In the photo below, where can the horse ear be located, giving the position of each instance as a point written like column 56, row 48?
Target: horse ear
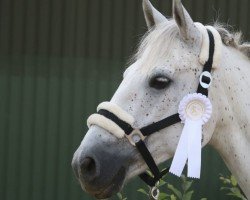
column 184, row 21
column 152, row 16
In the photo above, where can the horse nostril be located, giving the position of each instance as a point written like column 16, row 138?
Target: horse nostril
column 88, row 168
column 88, row 164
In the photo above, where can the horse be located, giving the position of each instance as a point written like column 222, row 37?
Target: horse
column 165, row 68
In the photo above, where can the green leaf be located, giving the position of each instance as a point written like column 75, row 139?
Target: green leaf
column 186, row 185
column 162, row 183
column 225, row 180
column 188, row 196
column 163, row 196
column 233, row 181
column 234, row 195
column 175, row 191
column 203, row 198
column 183, row 178
column 231, row 194
column 164, row 174
column 119, row 195
column 225, row 188
column 142, row 191
column 236, row 192
column 150, row 173
column 172, row 197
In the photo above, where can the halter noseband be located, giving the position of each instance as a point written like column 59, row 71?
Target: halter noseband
column 119, row 122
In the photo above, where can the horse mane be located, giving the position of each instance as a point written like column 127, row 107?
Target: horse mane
column 232, row 38
column 165, row 33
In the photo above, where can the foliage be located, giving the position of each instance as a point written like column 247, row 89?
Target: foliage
column 120, row 196
column 231, row 186
column 185, row 191
column 173, row 193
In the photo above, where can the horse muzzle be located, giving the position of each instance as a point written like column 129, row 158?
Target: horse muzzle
column 100, row 166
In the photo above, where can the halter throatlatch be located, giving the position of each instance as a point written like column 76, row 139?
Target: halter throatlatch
column 118, row 122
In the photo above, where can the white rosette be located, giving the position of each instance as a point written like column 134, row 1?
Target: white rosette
column 194, row 110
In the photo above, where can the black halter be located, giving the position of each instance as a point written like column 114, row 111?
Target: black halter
column 137, row 136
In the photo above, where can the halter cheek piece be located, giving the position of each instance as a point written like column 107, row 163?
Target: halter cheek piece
column 119, row 122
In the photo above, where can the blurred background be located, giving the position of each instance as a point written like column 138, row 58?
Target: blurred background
column 58, row 60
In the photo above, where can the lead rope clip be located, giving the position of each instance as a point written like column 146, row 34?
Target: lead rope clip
column 154, row 192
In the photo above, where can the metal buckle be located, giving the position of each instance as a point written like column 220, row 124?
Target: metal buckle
column 135, row 136
column 208, row 75
column 154, row 192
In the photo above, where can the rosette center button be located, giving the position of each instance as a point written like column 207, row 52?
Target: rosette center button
column 195, row 109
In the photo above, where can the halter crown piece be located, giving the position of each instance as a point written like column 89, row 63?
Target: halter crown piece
column 194, row 111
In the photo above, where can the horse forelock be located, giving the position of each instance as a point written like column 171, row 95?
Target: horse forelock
column 163, row 36
column 156, row 43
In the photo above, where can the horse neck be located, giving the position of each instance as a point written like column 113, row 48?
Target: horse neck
column 232, row 134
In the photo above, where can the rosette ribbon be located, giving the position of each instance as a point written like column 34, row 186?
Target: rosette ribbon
column 194, row 110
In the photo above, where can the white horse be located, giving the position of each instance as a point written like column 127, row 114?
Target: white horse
column 165, row 69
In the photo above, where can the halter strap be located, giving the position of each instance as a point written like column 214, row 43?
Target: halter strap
column 157, row 126
column 122, row 124
column 138, row 136
column 208, row 65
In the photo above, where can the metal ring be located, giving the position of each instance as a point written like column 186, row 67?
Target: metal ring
column 208, row 75
column 154, row 193
column 135, row 136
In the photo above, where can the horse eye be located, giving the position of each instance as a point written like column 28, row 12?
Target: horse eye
column 159, row 82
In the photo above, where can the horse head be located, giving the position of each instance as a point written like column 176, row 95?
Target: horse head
column 166, row 67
